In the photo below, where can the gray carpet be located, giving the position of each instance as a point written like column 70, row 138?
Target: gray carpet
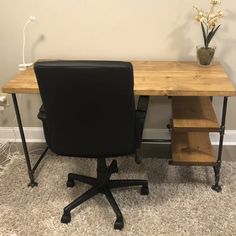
column 180, row 202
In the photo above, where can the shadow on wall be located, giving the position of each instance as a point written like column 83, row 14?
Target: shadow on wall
column 224, row 54
column 227, row 50
column 34, row 46
column 181, row 44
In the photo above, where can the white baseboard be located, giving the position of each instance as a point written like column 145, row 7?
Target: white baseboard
column 12, row 134
column 35, row 135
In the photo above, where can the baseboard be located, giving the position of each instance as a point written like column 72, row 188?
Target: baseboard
column 35, row 135
column 12, row 134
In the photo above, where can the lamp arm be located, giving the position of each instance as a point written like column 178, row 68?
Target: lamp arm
column 24, row 65
column 23, row 46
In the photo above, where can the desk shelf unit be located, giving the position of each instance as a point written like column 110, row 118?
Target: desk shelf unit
column 193, row 119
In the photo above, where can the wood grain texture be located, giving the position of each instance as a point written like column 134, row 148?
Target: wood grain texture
column 194, row 114
column 24, row 82
column 173, row 78
column 155, row 78
column 192, row 148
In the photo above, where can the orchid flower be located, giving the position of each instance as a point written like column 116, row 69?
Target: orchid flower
column 209, row 21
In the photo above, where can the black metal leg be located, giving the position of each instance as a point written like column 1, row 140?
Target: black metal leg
column 30, row 171
column 217, row 167
column 217, row 187
column 27, row 158
column 40, row 159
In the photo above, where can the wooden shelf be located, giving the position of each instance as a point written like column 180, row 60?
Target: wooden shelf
column 194, row 114
column 192, row 148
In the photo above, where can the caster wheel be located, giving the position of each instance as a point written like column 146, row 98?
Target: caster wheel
column 144, row 190
column 70, row 183
column 66, row 218
column 115, row 167
column 32, row 184
column 217, row 188
column 119, row 224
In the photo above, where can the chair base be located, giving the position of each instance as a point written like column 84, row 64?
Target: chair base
column 102, row 184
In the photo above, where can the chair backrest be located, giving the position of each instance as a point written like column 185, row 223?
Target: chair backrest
column 89, row 106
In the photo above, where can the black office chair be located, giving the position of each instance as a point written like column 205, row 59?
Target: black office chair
column 89, row 111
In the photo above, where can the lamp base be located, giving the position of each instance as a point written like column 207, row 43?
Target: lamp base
column 25, row 66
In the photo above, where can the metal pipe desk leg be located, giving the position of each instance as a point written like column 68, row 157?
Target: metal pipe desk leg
column 217, row 167
column 30, row 171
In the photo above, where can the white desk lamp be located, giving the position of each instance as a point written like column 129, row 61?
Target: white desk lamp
column 24, row 65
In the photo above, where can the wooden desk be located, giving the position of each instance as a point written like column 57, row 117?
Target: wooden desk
column 155, row 78
column 192, row 118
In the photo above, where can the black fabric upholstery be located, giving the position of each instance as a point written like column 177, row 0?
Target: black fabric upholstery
column 89, row 111
column 89, row 107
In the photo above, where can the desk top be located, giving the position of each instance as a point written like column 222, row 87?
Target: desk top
column 154, row 78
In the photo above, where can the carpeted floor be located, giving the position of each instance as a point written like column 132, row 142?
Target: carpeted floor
column 180, row 202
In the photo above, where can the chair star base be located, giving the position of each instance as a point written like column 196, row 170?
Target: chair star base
column 102, row 184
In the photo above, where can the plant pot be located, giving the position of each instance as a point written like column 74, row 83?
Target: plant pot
column 205, row 56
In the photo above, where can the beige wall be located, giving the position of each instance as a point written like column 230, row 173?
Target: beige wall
column 112, row 30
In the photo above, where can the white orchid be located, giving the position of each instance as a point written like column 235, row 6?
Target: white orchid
column 209, row 20
column 215, row 2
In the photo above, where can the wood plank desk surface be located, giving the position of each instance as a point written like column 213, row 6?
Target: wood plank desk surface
column 154, row 78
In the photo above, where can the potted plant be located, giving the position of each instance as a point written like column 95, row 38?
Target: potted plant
column 208, row 20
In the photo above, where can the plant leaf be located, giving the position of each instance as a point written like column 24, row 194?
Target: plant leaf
column 209, row 36
column 204, row 35
column 213, row 33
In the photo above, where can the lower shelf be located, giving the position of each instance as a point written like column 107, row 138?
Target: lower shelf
column 192, row 148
